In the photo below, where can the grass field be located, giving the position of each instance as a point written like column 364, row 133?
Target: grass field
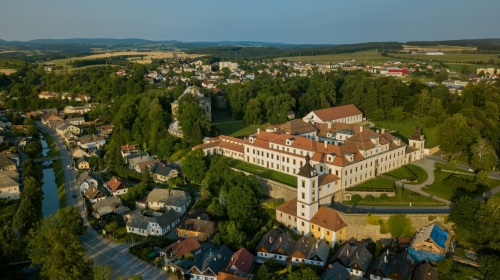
column 406, row 128
column 451, row 57
column 370, row 56
column 452, row 191
column 141, row 57
column 442, row 48
column 264, row 172
column 7, row 71
column 239, row 128
column 410, row 172
column 375, row 184
column 445, row 167
column 402, row 198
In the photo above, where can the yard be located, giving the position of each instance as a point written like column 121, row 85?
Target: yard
column 376, row 183
column 451, row 186
column 408, row 172
column 406, row 128
column 402, row 198
column 264, row 172
column 8, row 208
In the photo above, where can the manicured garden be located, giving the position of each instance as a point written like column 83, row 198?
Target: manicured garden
column 376, row 183
column 402, row 198
column 451, row 186
column 406, row 128
column 264, row 172
column 411, row 172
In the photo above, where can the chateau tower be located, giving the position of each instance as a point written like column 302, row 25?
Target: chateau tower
column 417, row 142
column 307, row 196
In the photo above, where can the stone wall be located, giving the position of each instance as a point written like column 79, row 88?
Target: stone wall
column 431, row 151
column 274, row 189
column 366, row 193
column 358, row 228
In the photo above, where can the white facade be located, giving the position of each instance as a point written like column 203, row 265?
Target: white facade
column 307, row 201
column 12, row 192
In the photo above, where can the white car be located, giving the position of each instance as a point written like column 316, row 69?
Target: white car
column 471, row 170
column 69, row 166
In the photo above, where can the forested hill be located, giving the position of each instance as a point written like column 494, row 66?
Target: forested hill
column 229, row 52
column 459, row 43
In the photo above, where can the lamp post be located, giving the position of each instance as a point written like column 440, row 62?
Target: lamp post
column 410, row 199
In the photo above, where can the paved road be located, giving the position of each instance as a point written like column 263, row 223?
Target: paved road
column 103, row 251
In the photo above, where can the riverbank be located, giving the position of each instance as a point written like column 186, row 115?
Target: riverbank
column 58, row 168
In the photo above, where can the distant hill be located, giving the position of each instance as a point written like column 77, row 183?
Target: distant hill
column 459, row 43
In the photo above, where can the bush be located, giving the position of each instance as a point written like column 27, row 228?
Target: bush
column 400, row 225
column 432, row 218
column 383, row 196
column 356, row 198
column 369, row 197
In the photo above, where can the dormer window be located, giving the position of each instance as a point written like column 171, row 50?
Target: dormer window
column 252, row 139
column 289, row 141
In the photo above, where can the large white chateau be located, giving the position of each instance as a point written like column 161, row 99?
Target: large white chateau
column 326, row 157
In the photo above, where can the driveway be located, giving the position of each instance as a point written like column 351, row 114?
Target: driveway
column 101, row 250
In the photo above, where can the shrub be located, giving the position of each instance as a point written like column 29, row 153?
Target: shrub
column 383, row 196
column 369, row 197
column 356, row 198
column 400, row 225
column 432, row 218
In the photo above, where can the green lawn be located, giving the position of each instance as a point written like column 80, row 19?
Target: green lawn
column 264, row 172
column 445, row 167
column 8, row 208
column 406, row 128
column 239, row 129
column 377, row 183
column 409, row 172
column 448, row 185
column 402, row 198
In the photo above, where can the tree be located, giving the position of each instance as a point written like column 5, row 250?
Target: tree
column 231, row 235
column 303, row 273
column 482, row 153
column 215, row 209
column 30, row 210
column 194, row 166
column 241, row 205
column 263, row 273
column 8, row 243
column 379, row 115
column 101, row 272
column 482, row 178
column 400, row 225
column 488, row 266
column 57, row 249
column 452, row 164
column 32, row 148
column 192, row 117
column 423, row 102
column 253, row 112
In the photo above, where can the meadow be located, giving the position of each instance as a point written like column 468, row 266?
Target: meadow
column 366, row 56
column 443, row 48
column 7, row 71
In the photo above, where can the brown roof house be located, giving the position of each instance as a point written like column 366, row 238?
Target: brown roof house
column 310, row 250
column 346, row 114
column 180, row 248
column 93, row 194
column 199, row 229
column 425, row 271
column 116, row 186
column 108, row 207
column 239, row 266
column 9, row 189
column 129, row 149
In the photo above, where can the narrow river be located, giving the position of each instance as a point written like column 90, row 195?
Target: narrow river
column 50, row 203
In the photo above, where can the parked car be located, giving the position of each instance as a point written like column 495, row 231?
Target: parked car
column 74, row 195
column 471, row 170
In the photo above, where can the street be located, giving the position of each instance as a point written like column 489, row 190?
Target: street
column 102, row 251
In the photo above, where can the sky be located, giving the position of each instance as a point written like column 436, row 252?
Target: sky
column 292, row 21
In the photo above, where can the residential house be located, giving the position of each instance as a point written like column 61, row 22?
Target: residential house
column 310, row 250
column 241, row 260
column 77, row 110
column 201, row 230
column 83, row 163
column 343, row 254
column 78, row 153
column 180, row 248
column 200, row 214
column 106, row 129
column 425, row 271
column 129, row 149
column 210, row 263
column 168, row 199
column 335, row 271
column 228, row 274
column 76, row 121
column 93, row 194
column 86, row 180
column 162, row 173
column 82, row 97
column 401, row 266
column 134, row 159
column 50, row 117
column 7, row 163
column 141, row 166
column 69, row 137
column 9, row 189
column 327, row 224
column 108, row 206
column 14, row 157
column 91, row 142
column 275, row 245
column 429, row 244
column 116, row 186
column 360, row 261
column 380, row 266
column 153, row 223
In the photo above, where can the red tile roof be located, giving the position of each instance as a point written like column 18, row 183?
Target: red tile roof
column 188, row 245
column 329, row 219
column 114, row 184
column 339, row 112
column 241, row 260
column 289, row 207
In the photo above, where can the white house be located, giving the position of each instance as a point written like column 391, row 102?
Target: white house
column 168, row 199
column 86, row 180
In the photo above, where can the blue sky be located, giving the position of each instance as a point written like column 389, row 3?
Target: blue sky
column 331, row 22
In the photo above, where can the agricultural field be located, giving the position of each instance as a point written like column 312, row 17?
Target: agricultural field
column 139, row 57
column 366, row 56
column 442, row 48
column 451, row 57
column 7, row 71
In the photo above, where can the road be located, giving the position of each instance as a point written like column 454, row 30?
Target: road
column 103, row 251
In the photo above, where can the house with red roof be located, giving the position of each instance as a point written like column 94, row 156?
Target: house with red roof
column 116, row 186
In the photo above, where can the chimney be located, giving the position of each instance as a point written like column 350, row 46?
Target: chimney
column 258, row 130
column 361, row 128
column 329, row 125
column 377, row 131
column 316, row 138
column 326, row 143
column 270, row 239
column 382, row 131
column 385, row 259
column 281, row 239
column 316, row 245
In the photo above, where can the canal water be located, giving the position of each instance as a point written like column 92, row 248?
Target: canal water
column 50, row 203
